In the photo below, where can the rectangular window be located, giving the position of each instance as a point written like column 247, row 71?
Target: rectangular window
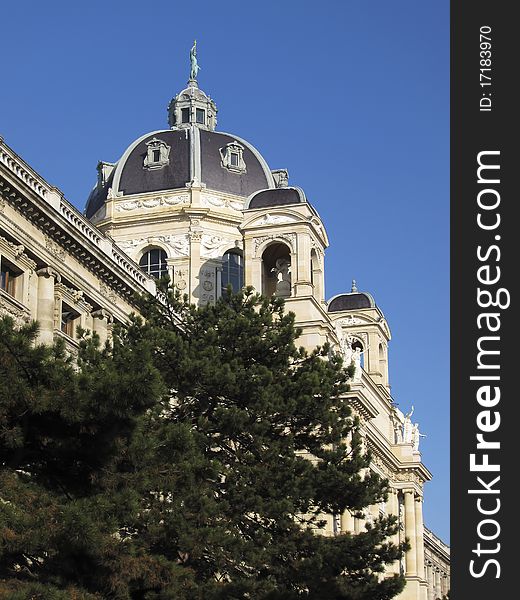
column 9, row 277
column 68, row 320
column 201, row 116
column 185, row 114
column 156, row 155
column 234, row 159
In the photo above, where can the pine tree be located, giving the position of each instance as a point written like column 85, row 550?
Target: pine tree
column 273, row 448
column 191, row 462
column 66, row 499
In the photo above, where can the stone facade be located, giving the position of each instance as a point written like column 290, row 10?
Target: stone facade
column 205, row 208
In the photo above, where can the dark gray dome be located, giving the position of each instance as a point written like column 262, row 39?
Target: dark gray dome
column 351, row 301
column 276, row 197
column 193, row 155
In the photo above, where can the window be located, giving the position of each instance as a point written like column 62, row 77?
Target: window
column 233, row 157
column 153, row 262
column 157, row 155
column 232, row 271
column 185, row 115
column 9, row 277
column 68, row 320
column 276, row 270
column 201, row 116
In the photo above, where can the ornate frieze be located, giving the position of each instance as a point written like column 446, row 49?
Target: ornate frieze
column 212, row 200
column 207, row 284
column 290, row 238
column 269, row 219
column 178, row 244
column 55, row 249
column 213, row 246
column 172, row 200
column 14, row 309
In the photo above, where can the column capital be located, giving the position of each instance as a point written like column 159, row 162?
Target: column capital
column 49, row 272
column 101, row 314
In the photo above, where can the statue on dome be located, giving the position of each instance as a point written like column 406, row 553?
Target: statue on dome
column 193, row 61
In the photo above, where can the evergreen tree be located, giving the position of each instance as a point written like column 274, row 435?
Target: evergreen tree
column 188, row 463
column 66, row 493
column 273, row 449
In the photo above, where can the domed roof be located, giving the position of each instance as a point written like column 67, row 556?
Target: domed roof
column 190, row 153
column 351, row 301
column 193, row 155
column 276, row 197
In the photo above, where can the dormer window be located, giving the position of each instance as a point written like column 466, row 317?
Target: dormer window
column 233, row 157
column 157, row 155
column 201, row 116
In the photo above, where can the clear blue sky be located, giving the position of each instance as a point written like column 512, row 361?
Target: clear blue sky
column 352, row 97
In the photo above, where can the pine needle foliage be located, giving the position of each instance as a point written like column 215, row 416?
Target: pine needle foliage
column 195, row 457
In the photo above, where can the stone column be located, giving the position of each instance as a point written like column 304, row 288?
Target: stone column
column 45, row 310
column 437, row 588
column 393, row 509
column 410, row 532
column 419, row 528
column 218, row 290
column 195, row 238
column 427, row 570
column 100, row 319
column 347, row 522
column 301, row 266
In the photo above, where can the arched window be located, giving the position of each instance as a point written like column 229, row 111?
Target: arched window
column 276, row 265
column 153, row 262
column 232, row 270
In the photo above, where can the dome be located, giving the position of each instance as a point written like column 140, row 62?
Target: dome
column 276, row 197
column 353, row 300
column 221, row 161
column 190, row 153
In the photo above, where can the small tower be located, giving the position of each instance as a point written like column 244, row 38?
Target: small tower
column 363, row 333
column 284, row 243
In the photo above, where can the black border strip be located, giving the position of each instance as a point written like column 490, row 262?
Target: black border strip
column 484, row 122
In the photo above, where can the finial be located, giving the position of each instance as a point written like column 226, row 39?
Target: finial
column 193, row 62
column 354, row 288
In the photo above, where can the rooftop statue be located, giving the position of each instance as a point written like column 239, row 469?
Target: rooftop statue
column 193, row 61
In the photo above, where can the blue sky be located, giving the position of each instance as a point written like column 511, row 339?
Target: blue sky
column 352, row 97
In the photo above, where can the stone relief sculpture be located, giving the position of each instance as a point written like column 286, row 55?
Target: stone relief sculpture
column 193, row 61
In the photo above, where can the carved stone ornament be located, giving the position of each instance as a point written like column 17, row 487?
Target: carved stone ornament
column 290, row 238
column 350, row 320
column 179, row 244
column 107, row 291
column 157, row 155
column 172, row 200
column 269, row 219
column 232, row 156
column 212, row 200
column 54, row 248
column 11, row 308
column 213, row 246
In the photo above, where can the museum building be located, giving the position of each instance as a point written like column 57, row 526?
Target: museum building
column 204, row 207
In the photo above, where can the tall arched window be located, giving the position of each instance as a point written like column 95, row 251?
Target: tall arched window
column 153, row 262
column 276, row 266
column 232, row 270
